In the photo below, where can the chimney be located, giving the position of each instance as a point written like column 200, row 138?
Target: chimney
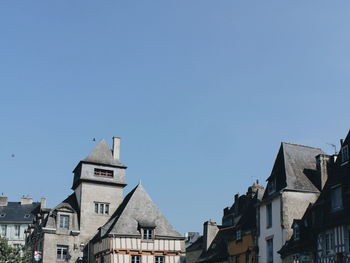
column 3, row 200
column 116, row 147
column 236, row 204
column 26, row 200
column 42, row 202
column 210, row 229
column 322, row 164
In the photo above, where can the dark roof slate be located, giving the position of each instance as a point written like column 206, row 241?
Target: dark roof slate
column 16, row 213
column 298, row 158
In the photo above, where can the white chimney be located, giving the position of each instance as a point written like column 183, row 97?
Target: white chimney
column 26, row 200
column 43, row 202
column 3, row 200
column 116, row 147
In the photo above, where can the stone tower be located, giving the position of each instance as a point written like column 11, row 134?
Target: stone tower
column 98, row 185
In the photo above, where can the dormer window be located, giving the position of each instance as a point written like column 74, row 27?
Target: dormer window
column 147, row 233
column 344, row 154
column 272, row 186
column 336, row 198
column 103, row 172
column 64, row 222
column 296, row 232
column 26, row 215
column 2, row 215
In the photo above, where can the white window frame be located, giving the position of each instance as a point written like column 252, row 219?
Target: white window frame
column 17, row 231
column 64, row 221
column 3, row 231
column 135, row 259
column 147, row 233
column 159, row 259
column 60, row 252
column 101, row 208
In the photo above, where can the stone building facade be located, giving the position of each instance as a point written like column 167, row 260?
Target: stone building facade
column 294, row 183
column 64, row 232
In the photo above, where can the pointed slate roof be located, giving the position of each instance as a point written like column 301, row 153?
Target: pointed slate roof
column 292, row 168
column 138, row 210
column 298, row 159
column 102, row 154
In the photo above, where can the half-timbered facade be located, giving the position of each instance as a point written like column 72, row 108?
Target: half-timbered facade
column 138, row 233
column 331, row 212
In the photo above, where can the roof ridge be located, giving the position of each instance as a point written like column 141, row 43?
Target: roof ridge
column 301, row 145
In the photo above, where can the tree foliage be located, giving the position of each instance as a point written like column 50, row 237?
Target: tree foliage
column 9, row 254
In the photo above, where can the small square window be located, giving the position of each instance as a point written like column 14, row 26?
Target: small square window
column 101, row 208
column 147, row 234
column 159, row 259
column 62, row 253
column 135, row 259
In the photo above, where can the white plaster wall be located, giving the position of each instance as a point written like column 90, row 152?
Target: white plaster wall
column 275, row 231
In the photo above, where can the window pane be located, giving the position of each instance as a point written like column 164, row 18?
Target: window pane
column 268, row 215
column 107, row 209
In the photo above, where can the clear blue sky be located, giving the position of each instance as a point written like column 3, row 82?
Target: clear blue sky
column 201, row 92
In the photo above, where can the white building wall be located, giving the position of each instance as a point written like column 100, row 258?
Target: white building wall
column 275, row 231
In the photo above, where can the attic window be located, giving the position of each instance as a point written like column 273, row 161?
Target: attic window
column 296, row 232
column 103, row 172
column 345, row 154
column 147, row 233
column 272, row 186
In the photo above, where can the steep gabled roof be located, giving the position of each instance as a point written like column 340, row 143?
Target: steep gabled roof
column 138, row 210
column 102, row 154
column 292, row 165
column 297, row 159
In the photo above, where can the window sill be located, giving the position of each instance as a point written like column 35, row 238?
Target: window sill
column 147, row 240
